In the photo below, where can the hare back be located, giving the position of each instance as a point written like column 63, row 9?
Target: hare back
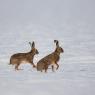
column 20, row 57
column 50, row 59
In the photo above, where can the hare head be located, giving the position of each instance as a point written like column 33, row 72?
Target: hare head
column 58, row 48
column 33, row 49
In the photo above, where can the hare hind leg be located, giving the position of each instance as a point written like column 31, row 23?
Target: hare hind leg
column 52, row 68
column 16, row 66
column 46, row 67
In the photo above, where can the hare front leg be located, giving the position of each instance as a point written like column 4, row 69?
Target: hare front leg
column 32, row 64
column 57, row 65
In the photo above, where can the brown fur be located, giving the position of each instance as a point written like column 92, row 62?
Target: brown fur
column 28, row 57
column 50, row 59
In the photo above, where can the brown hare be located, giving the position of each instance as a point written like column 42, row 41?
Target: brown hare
column 50, row 59
column 18, row 58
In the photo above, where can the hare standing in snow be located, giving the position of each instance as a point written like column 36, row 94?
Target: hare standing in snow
column 50, row 59
column 28, row 57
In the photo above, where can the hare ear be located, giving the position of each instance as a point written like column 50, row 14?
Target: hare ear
column 33, row 44
column 57, row 43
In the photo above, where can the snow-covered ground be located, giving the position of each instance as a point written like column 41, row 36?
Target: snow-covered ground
column 71, row 22
column 70, row 79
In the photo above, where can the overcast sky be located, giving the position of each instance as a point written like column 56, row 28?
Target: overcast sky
column 46, row 11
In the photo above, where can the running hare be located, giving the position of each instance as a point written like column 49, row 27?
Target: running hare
column 50, row 59
column 28, row 57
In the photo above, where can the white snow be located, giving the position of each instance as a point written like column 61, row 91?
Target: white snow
column 72, row 22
